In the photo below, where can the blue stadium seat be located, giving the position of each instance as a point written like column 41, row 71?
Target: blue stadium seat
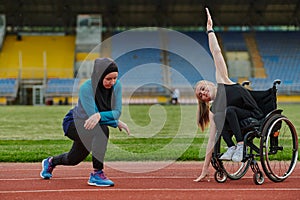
column 61, row 87
column 8, row 87
column 140, row 67
column 233, row 41
column 182, row 72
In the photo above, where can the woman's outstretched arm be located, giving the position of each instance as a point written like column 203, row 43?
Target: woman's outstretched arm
column 221, row 68
column 209, row 149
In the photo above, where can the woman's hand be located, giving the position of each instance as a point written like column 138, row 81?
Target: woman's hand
column 209, row 25
column 92, row 121
column 122, row 125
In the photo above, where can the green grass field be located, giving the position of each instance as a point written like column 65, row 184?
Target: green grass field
column 31, row 133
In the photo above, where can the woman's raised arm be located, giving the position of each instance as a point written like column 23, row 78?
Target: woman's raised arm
column 221, row 68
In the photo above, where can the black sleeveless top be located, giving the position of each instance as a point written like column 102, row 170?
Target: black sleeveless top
column 235, row 95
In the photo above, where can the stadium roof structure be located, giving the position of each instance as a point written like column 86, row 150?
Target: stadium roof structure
column 162, row 13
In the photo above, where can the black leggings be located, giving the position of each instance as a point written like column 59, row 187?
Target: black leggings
column 231, row 126
column 84, row 142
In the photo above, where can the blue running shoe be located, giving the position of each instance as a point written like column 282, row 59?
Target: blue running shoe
column 99, row 179
column 47, row 168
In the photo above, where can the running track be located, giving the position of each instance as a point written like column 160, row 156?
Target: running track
column 22, row 181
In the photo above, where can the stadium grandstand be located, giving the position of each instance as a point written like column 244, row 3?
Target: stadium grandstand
column 47, row 47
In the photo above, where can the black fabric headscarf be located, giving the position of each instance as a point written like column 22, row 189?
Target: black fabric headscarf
column 103, row 96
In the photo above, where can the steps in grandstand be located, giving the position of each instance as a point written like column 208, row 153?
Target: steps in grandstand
column 258, row 65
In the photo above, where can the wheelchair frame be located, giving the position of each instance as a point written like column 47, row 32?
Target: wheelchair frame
column 266, row 131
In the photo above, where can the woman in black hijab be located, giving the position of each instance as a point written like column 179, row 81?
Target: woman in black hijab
column 99, row 106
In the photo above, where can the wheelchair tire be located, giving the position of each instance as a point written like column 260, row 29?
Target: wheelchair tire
column 233, row 170
column 258, row 178
column 278, row 148
column 220, row 176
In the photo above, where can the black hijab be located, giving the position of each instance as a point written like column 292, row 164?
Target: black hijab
column 103, row 96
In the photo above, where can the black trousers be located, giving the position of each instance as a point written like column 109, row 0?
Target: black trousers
column 228, row 122
column 84, row 142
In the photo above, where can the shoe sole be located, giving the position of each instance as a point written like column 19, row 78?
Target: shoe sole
column 94, row 184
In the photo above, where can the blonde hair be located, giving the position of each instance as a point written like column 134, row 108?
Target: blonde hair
column 203, row 107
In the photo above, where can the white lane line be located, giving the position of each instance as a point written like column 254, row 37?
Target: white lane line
column 150, row 189
column 119, row 177
column 112, row 177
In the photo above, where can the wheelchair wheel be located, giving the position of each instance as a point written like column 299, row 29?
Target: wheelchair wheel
column 278, row 148
column 220, row 176
column 233, row 170
column 258, row 178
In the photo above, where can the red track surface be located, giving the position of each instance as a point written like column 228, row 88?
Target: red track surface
column 22, row 181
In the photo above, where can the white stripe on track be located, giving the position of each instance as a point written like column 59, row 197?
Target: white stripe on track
column 150, row 189
column 122, row 177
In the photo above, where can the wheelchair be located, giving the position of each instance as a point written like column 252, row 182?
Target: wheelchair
column 272, row 140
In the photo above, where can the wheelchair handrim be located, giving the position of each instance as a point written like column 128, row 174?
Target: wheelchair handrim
column 295, row 151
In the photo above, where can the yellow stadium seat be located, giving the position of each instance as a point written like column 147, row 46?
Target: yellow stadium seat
column 34, row 57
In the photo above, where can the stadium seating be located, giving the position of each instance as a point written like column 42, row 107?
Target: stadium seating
column 200, row 37
column 8, row 88
column 233, row 41
column 62, row 87
column 183, row 73
column 281, row 58
column 149, row 67
column 31, row 55
column 140, row 67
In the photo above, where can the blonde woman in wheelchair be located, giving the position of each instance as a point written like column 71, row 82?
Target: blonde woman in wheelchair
column 231, row 103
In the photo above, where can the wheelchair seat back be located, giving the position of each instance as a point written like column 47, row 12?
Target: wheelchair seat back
column 266, row 101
